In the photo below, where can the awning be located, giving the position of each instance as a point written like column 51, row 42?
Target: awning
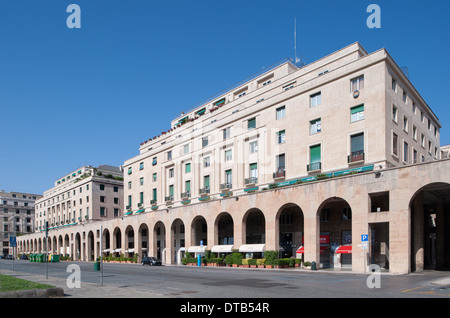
column 301, row 249
column 344, row 249
column 249, row 248
column 118, row 250
column 222, row 249
column 139, row 211
column 130, row 250
column 196, row 249
column 128, row 213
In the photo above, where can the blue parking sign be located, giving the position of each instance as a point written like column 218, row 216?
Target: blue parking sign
column 364, row 237
column 12, row 241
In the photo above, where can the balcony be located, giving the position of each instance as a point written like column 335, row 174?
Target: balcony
column 356, row 157
column 204, row 191
column 186, row 195
column 279, row 174
column 226, row 186
column 314, row 166
column 168, row 199
column 153, row 202
column 251, row 181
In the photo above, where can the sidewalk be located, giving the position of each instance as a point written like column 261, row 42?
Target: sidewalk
column 87, row 290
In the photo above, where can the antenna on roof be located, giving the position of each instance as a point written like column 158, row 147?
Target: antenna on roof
column 297, row 61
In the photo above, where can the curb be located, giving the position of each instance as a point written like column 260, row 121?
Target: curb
column 34, row 293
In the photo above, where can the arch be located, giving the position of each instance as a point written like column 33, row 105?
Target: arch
column 199, row 231
column 77, row 246
column 117, row 248
column 178, row 241
column 224, row 229
column 90, row 246
column 106, row 242
column 254, row 227
column 159, row 241
column 429, row 209
column 289, row 227
column 142, row 244
column 129, row 241
column 335, row 230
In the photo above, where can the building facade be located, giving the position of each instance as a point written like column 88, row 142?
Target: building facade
column 16, row 216
column 300, row 160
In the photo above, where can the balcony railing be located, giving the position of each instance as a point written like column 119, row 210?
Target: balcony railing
column 186, row 194
column 153, row 202
column 314, row 166
column 356, row 156
column 205, row 190
column 169, row 198
column 251, row 180
column 225, row 186
column 280, row 173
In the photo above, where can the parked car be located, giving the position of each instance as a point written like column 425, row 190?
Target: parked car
column 152, row 261
column 23, row 257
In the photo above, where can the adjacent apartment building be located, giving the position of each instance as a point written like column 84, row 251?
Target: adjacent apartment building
column 16, row 216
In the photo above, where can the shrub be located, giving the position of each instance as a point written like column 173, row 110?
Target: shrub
column 236, row 258
column 229, row 259
column 261, row 261
column 306, row 263
column 252, row 261
column 245, row 261
column 270, row 257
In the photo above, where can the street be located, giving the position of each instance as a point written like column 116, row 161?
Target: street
column 223, row 282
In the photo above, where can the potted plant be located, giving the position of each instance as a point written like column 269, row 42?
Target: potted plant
column 252, row 263
column 260, row 263
column 307, row 265
column 298, row 262
column 270, row 257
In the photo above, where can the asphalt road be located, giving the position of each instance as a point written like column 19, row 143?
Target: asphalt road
column 233, row 283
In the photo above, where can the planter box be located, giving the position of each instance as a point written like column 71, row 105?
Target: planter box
column 244, row 266
column 268, row 266
column 261, row 266
column 235, row 265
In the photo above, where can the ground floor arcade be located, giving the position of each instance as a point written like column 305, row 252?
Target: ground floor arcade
column 405, row 213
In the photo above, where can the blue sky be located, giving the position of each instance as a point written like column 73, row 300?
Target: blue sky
column 70, row 97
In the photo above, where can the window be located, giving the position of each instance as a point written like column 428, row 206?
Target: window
column 314, row 158
column 394, row 144
column 254, row 170
column 171, row 190
column 356, row 113
column 169, row 155
column 394, row 113
column 187, row 168
column 130, row 170
column 251, row 123
column 154, row 192
column 280, row 163
column 414, row 132
column 228, row 178
column 281, row 112
column 206, row 182
column 394, row 85
column 154, row 177
column 141, row 181
column 356, row 147
column 187, row 186
column 141, row 166
column 357, row 84
column 206, row 162
column 204, row 141
column 171, row 173
column 186, row 148
column 102, row 211
column 281, row 137
column 116, row 212
column 226, row 133
column 116, row 189
column 154, row 161
column 141, row 197
column 228, row 155
column 405, row 123
column 315, row 126
column 405, row 97
column 405, row 151
column 102, row 187
column 422, row 140
column 129, row 186
column 315, row 100
column 254, row 146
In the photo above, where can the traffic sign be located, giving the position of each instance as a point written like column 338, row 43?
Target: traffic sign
column 364, row 237
column 12, row 241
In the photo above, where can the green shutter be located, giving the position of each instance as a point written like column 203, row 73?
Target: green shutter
column 154, row 194
column 357, row 109
column 315, row 154
column 253, row 166
column 206, row 181
column 188, row 186
column 171, row 190
column 188, row 167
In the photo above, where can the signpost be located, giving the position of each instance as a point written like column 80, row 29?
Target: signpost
column 364, row 244
column 13, row 244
